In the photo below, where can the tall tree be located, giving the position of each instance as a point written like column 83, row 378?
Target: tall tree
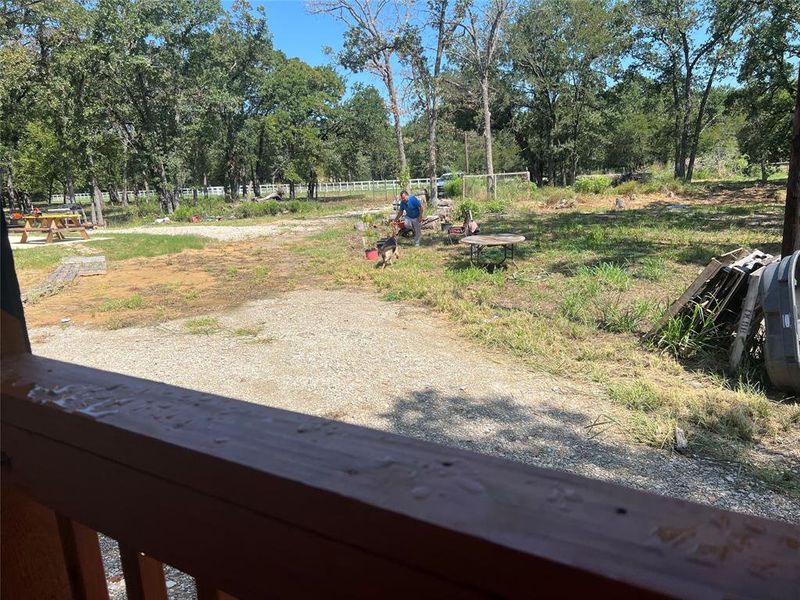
column 237, row 62
column 442, row 17
column 690, row 44
column 376, row 30
column 563, row 53
column 478, row 48
column 767, row 78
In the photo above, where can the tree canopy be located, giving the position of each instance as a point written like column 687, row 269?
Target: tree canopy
column 150, row 97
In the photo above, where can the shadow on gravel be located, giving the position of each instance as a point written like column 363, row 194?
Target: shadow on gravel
column 551, row 437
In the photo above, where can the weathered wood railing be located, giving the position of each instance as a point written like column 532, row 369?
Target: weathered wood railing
column 261, row 502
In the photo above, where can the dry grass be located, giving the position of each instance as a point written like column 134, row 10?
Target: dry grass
column 576, row 302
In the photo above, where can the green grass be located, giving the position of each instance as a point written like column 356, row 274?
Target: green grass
column 117, row 248
column 579, row 297
column 247, row 332
column 636, row 395
column 202, row 325
column 131, row 303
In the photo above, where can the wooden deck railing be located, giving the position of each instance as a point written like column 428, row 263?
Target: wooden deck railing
column 261, row 503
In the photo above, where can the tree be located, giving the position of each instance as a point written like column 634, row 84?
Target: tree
column 689, row 44
column 767, row 79
column 147, row 52
column 237, row 62
column 358, row 143
column 563, row 53
column 478, row 47
column 376, row 30
column 443, row 17
column 298, row 102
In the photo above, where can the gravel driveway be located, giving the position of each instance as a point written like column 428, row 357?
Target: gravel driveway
column 349, row 356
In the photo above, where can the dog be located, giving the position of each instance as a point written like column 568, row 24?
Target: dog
column 388, row 249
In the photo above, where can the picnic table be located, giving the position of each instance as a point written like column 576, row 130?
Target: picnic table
column 54, row 225
column 477, row 244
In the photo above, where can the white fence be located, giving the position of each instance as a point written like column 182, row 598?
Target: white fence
column 388, row 186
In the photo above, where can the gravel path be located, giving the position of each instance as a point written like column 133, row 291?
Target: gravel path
column 349, row 356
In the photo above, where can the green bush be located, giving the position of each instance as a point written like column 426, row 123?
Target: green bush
column 592, row 185
column 453, row 188
column 295, row 206
column 495, row 206
column 629, row 187
column 258, row 209
column 184, row 212
column 466, row 206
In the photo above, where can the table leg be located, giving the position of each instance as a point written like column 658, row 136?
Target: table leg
column 25, row 231
column 52, row 231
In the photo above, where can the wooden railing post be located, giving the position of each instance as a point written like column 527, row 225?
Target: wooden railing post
column 31, row 558
column 144, row 576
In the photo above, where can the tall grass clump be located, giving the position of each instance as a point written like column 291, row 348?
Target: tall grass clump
column 592, row 185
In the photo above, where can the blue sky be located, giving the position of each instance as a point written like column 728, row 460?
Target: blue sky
column 302, row 35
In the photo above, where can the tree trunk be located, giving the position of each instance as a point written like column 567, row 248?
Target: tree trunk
column 205, row 184
column 764, row 171
column 10, row 191
column 97, row 196
column 125, row 179
column 432, row 191
column 791, row 216
column 395, row 108
column 165, row 196
column 254, row 181
column 487, row 133
column 194, row 196
column 698, row 123
column 70, row 187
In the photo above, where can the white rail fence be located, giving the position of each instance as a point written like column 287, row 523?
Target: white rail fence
column 325, row 188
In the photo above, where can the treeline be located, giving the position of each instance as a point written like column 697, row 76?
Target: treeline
column 156, row 96
column 565, row 86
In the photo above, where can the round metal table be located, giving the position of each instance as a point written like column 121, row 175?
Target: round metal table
column 477, row 243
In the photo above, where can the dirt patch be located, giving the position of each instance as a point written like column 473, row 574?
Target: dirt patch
column 149, row 290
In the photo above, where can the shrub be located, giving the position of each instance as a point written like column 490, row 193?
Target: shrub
column 629, row 187
column 184, row 212
column 495, row 206
column 465, row 207
column 258, row 209
column 453, row 188
column 592, row 185
column 295, row 206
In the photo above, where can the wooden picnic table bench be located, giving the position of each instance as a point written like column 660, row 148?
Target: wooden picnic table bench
column 54, row 225
column 477, row 243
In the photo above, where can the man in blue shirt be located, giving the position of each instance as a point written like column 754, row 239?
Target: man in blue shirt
column 412, row 207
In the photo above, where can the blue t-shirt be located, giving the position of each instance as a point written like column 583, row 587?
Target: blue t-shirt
column 411, row 206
